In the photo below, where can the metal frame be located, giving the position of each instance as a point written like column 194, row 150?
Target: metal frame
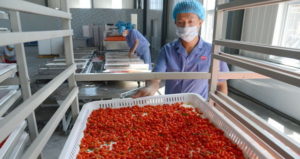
column 237, row 108
column 141, row 76
column 270, row 50
column 257, row 126
column 242, row 4
column 273, row 141
column 30, row 102
column 285, row 76
column 22, row 66
column 27, row 7
column 22, row 37
column 37, row 146
column 164, row 76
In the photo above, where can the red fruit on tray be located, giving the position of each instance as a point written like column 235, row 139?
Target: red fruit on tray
column 3, row 142
column 164, row 131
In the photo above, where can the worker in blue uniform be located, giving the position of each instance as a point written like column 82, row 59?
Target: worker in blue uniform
column 189, row 53
column 136, row 41
column 7, row 54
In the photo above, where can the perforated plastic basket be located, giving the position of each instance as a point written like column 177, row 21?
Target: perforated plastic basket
column 250, row 148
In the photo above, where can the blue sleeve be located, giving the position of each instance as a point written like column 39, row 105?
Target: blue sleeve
column 161, row 64
column 134, row 34
column 223, row 68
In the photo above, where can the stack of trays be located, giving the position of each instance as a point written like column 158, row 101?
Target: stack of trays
column 13, row 147
column 8, row 96
column 57, row 65
column 120, row 62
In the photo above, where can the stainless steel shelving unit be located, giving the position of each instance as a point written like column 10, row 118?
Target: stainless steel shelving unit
column 31, row 101
column 272, row 140
column 9, row 94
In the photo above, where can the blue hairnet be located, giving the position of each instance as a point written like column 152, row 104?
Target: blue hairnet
column 129, row 26
column 120, row 23
column 123, row 26
column 189, row 6
column 121, row 29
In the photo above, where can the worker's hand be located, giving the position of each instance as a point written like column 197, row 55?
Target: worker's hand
column 147, row 91
column 130, row 54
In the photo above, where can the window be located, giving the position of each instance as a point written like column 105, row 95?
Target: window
column 208, row 24
column 156, row 4
column 80, row 4
column 287, row 32
column 116, row 4
column 291, row 31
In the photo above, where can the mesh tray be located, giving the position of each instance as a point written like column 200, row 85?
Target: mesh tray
column 250, row 148
column 6, row 67
column 12, row 140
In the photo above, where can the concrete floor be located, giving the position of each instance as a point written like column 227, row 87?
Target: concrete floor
column 56, row 142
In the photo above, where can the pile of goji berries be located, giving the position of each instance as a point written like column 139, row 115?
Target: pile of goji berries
column 165, row 131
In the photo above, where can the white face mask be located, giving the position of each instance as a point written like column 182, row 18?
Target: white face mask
column 187, row 33
column 124, row 34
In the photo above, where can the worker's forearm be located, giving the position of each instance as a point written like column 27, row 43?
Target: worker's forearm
column 224, row 90
column 222, row 87
column 152, row 87
column 153, row 84
column 136, row 43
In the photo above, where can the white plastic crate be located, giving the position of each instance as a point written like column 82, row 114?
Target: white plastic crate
column 250, row 147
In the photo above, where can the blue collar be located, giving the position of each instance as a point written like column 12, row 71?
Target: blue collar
column 181, row 50
column 129, row 32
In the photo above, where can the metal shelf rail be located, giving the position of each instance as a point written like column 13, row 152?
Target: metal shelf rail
column 273, row 140
column 30, row 102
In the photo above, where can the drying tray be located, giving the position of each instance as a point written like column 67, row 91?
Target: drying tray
column 12, row 141
column 6, row 92
column 7, row 71
column 121, row 58
column 76, row 60
column 8, row 96
column 123, row 62
column 79, row 65
column 20, row 146
column 125, row 70
column 129, row 66
column 250, row 147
